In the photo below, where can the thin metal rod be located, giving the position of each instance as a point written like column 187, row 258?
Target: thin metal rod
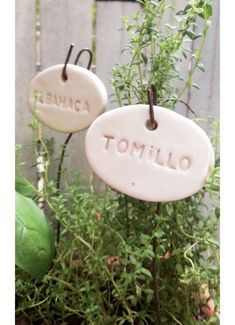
column 61, row 161
column 59, row 177
column 152, row 99
column 90, row 57
column 154, row 92
column 154, row 275
column 64, row 72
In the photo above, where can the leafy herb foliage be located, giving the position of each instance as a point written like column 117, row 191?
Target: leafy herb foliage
column 121, row 260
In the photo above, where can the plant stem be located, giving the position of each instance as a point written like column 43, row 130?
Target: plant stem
column 180, row 101
column 186, row 252
column 195, row 65
column 124, row 303
column 175, row 319
column 33, row 305
column 127, row 217
column 163, row 4
column 61, row 281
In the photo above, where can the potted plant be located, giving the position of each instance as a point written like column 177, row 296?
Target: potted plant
column 125, row 261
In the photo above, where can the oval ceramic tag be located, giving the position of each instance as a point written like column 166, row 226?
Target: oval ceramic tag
column 67, row 106
column 166, row 164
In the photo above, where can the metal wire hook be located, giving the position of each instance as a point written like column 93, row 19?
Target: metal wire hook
column 64, row 72
column 79, row 55
column 152, row 99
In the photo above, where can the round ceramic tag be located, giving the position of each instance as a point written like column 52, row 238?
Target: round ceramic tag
column 70, row 105
column 166, row 164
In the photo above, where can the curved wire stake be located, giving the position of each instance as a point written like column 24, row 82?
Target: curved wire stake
column 58, row 180
column 152, row 99
column 64, row 76
column 64, row 72
column 79, row 55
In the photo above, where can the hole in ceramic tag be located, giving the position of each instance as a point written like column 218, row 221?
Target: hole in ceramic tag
column 64, row 78
column 150, row 126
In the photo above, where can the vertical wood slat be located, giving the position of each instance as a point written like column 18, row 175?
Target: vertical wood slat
column 206, row 100
column 63, row 23
column 110, row 40
column 25, row 71
column 183, row 66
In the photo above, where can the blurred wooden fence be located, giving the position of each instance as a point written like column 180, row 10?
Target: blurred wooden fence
column 62, row 22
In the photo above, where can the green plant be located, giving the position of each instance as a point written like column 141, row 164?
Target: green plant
column 121, row 260
column 34, row 238
column 103, row 269
column 155, row 50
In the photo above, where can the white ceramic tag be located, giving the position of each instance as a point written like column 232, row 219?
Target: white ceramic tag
column 67, row 106
column 166, row 164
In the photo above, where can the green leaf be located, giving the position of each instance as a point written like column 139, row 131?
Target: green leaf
column 144, row 239
column 24, row 187
column 159, row 233
column 183, row 12
column 146, row 272
column 207, row 10
column 198, row 35
column 184, row 54
column 133, row 260
column 154, row 3
column 213, row 241
column 201, row 67
column 180, row 13
column 138, row 291
column 192, row 35
column 149, row 293
column 170, row 26
column 34, row 238
column 144, row 57
column 195, row 86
